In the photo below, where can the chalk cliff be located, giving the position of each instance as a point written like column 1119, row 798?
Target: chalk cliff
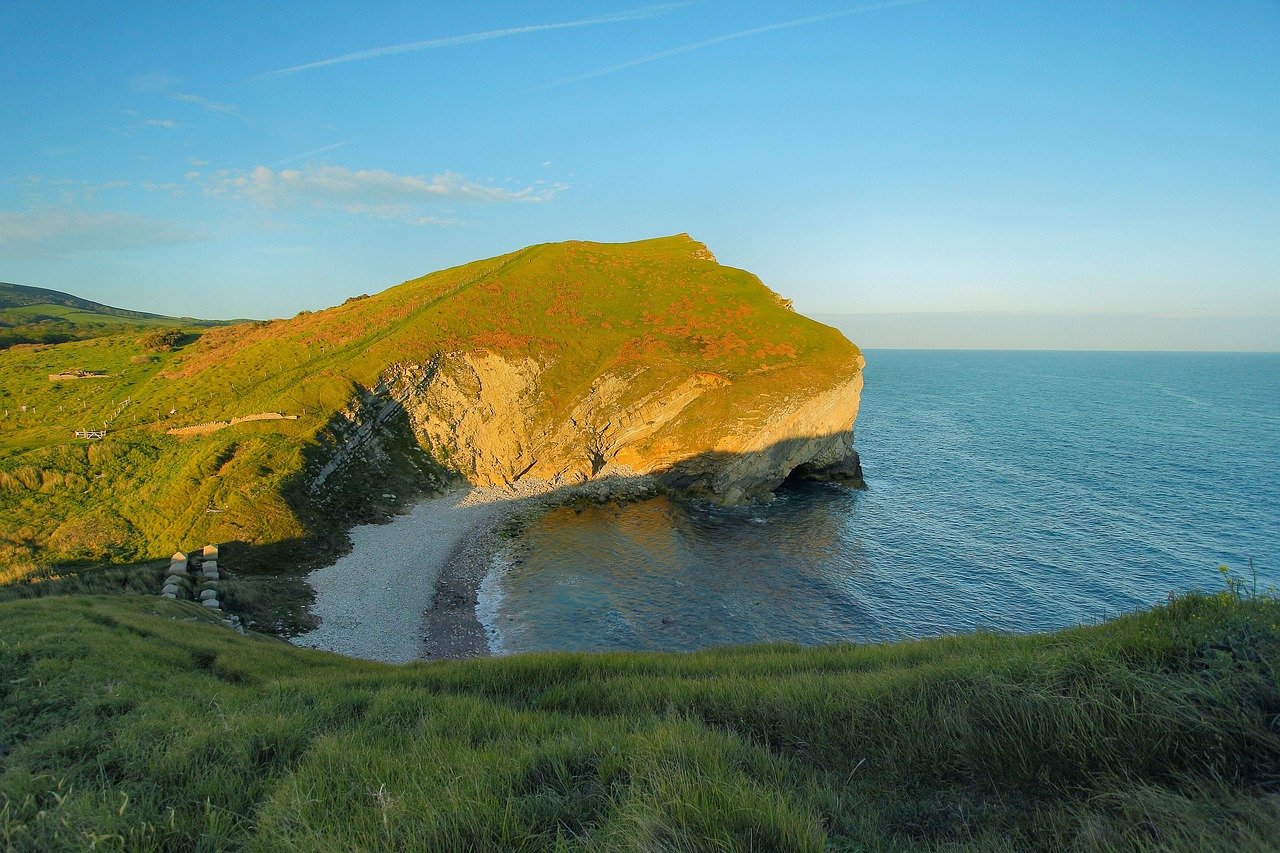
column 487, row 418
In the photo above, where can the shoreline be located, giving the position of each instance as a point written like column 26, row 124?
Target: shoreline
column 450, row 628
column 408, row 589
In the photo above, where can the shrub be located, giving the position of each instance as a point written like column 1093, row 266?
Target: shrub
column 161, row 340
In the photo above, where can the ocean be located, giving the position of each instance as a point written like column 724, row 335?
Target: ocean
column 1008, row 491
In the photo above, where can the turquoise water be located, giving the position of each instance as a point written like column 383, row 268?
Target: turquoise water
column 1012, row 491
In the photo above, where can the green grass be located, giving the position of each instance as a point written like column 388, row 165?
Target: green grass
column 133, row 723
column 654, row 312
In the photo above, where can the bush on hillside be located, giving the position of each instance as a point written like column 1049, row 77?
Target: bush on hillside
column 161, row 340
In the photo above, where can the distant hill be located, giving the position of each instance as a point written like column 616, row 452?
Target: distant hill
column 33, row 315
column 21, row 296
column 561, row 363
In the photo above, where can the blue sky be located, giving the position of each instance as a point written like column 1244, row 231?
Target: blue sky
column 247, row 159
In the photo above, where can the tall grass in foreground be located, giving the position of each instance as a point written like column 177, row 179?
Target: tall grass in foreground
column 133, row 723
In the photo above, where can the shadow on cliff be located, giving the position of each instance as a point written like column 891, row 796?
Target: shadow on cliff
column 743, row 477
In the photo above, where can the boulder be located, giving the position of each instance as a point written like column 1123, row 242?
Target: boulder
column 208, row 594
column 170, row 590
column 211, row 603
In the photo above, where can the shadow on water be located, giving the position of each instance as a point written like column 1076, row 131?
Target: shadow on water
column 671, row 573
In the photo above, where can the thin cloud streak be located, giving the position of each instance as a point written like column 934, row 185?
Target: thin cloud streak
column 469, row 38
column 755, row 31
column 211, row 106
column 305, row 154
column 372, row 193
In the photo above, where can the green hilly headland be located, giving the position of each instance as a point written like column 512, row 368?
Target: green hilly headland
column 556, row 361
column 134, row 723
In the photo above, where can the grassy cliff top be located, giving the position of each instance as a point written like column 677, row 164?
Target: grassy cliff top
column 652, row 308
column 652, row 312
column 135, row 723
column 657, row 307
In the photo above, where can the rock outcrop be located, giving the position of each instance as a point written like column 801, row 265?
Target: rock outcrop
column 486, row 417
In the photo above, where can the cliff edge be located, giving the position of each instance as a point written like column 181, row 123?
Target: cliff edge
column 724, row 393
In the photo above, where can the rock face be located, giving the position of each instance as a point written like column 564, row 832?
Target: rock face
column 486, row 417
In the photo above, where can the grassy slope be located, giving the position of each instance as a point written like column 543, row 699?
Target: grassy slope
column 133, row 722
column 652, row 309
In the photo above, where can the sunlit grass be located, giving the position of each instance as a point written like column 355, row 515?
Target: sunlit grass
column 137, row 720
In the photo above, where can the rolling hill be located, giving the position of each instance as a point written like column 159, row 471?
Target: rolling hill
column 34, row 315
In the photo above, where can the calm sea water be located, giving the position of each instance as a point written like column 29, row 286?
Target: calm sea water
column 1012, row 491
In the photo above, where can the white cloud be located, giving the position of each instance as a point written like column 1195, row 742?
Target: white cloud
column 55, row 231
column 153, row 82
column 364, row 192
column 93, row 189
column 211, row 106
column 161, row 122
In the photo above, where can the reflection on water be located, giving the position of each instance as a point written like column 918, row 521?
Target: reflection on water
column 1012, row 491
column 662, row 574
